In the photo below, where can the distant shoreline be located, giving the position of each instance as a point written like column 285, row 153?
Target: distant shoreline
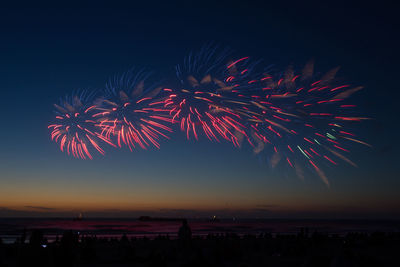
column 12, row 228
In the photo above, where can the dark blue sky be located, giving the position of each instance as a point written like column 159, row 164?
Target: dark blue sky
column 47, row 52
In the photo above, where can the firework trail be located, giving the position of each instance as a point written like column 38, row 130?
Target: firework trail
column 74, row 128
column 130, row 112
column 199, row 105
column 300, row 116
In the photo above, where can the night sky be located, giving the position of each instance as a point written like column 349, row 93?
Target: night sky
column 46, row 53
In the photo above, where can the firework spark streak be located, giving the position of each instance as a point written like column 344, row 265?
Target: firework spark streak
column 74, row 128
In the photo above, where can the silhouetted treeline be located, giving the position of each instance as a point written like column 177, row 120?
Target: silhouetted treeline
column 303, row 249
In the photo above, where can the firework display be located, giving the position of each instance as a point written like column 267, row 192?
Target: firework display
column 299, row 117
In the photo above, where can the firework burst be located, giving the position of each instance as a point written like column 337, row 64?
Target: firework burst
column 130, row 113
column 74, row 128
column 200, row 104
column 302, row 115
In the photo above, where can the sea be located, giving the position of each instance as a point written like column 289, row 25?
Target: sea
column 12, row 228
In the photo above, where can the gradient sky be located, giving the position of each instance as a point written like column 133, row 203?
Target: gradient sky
column 45, row 53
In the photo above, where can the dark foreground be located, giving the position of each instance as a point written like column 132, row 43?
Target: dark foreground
column 356, row 249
